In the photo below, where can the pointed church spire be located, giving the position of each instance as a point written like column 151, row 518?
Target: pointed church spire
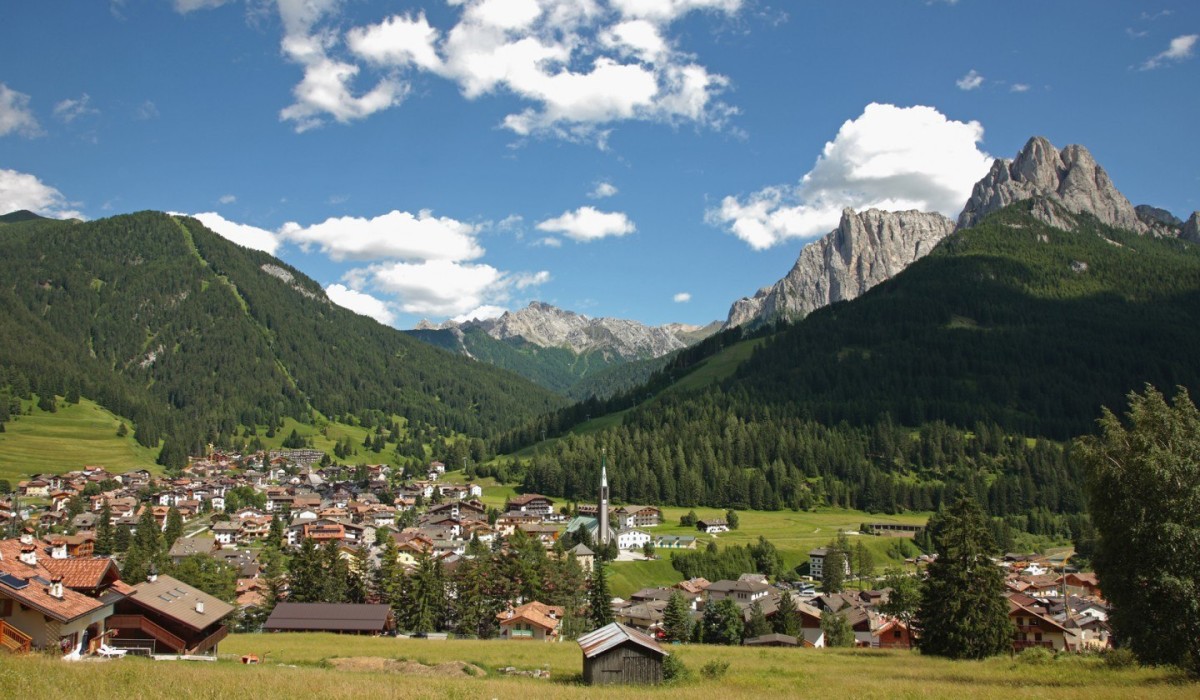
column 603, row 507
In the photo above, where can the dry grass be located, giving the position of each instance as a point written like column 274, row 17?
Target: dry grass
column 304, row 665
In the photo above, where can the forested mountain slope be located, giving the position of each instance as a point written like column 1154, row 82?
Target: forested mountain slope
column 190, row 336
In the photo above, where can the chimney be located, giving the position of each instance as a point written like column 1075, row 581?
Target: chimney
column 56, row 587
column 29, row 554
column 26, row 537
column 152, row 574
column 200, row 607
column 58, row 549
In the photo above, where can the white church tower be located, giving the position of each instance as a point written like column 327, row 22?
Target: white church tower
column 604, row 535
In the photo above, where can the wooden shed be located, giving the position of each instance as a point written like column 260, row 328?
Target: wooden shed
column 616, row 654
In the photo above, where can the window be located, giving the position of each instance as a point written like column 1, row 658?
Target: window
column 895, row 634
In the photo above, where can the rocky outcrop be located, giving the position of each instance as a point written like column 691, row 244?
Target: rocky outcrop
column 1191, row 229
column 865, row 249
column 1070, row 178
column 551, row 327
column 1153, row 215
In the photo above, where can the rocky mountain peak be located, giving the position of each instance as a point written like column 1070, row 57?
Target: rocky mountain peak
column 1070, row 177
column 1191, row 228
column 865, row 249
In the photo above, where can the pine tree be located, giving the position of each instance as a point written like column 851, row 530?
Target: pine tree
column 335, row 574
column 833, row 574
column 864, row 562
column 305, row 573
column 105, row 539
column 787, row 617
column 757, row 626
column 1144, row 492
column 963, row 612
column 676, row 620
column 174, row 528
column 600, row 603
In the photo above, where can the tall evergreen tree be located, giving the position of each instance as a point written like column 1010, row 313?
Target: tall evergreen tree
column 305, row 573
column 757, row 625
column 787, row 617
column 105, row 539
column 722, row 622
column 833, row 574
column 837, row 630
column 963, row 612
column 600, row 601
column 173, row 529
column 676, row 620
column 1144, row 490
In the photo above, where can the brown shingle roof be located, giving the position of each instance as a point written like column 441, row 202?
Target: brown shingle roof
column 331, row 617
column 21, row 583
column 175, row 599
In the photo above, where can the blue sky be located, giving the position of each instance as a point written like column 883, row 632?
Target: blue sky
column 644, row 159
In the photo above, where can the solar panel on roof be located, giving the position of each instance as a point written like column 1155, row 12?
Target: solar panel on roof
column 165, row 597
column 13, row 582
column 41, row 580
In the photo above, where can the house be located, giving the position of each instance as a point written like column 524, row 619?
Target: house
column 647, row 616
column 772, row 640
column 741, row 591
column 627, row 517
column 632, row 539
column 163, row 615
column 816, row 562
column 1081, row 584
column 187, row 546
column 674, row 542
column 713, row 525
column 227, row 533
column 892, row 634
column 616, row 654
column 1035, row 629
column 342, row 618
column 530, row 504
column 533, row 620
column 39, row 610
column 585, row 557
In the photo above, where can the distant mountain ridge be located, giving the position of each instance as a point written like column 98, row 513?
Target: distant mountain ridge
column 872, row 246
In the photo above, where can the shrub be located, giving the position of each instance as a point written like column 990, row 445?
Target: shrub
column 714, row 669
column 674, row 670
column 1036, row 656
column 1120, row 658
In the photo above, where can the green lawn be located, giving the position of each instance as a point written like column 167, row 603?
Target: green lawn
column 303, row 665
column 70, row 438
column 718, row 367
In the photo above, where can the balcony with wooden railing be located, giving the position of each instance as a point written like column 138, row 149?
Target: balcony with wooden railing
column 14, row 640
column 156, row 632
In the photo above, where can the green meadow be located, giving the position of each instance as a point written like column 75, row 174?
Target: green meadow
column 335, row 667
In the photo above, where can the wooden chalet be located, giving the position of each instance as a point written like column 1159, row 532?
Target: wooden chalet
column 164, row 615
column 616, row 654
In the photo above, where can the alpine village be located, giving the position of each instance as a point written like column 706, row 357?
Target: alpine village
column 940, row 458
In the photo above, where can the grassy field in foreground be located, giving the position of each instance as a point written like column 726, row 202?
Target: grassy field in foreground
column 301, row 665
column 70, row 438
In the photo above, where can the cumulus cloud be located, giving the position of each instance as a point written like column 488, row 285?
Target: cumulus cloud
column 361, row 303
column 185, row 6
column 146, row 110
column 589, row 224
column 397, row 234
column 682, row 297
column 444, row 288
column 603, row 190
column 483, row 313
column 327, row 87
column 579, row 64
column 891, row 158
column 242, row 234
column 971, row 81
column 24, row 191
column 227, row 199
column 15, row 115
column 1181, row 48
column 1019, row 87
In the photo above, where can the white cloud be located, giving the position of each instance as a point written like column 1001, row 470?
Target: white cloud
column 1181, row 48
column 15, row 115
column 396, row 235
column 1019, row 87
column 891, row 158
column 588, row 224
column 227, row 199
column 325, row 89
column 682, row 297
column 971, row 81
column 69, row 110
column 603, row 189
column 147, row 110
column 361, row 303
column 242, row 234
column 444, row 288
column 185, row 6
column 525, row 280
column 483, row 313
column 24, row 191
column 549, row 242
column 579, row 65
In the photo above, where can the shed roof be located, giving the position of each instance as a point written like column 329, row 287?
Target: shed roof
column 177, row 600
column 613, row 635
